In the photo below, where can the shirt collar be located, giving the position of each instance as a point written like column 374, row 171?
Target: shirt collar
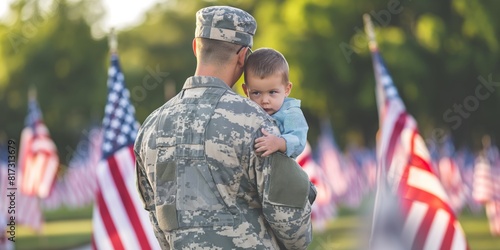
column 290, row 103
column 203, row 82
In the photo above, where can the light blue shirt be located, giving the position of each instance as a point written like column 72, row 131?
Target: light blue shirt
column 293, row 126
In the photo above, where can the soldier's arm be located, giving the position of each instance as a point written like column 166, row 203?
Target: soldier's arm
column 147, row 197
column 284, row 188
column 160, row 236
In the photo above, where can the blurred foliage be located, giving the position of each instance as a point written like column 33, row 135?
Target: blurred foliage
column 438, row 52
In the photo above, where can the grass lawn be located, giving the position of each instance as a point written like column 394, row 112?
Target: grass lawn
column 67, row 229
column 350, row 231
column 63, row 229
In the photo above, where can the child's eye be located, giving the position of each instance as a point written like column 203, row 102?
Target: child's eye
column 273, row 92
column 255, row 93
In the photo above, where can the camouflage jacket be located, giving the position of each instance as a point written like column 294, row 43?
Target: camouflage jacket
column 204, row 186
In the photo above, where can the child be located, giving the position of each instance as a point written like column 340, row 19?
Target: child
column 267, row 84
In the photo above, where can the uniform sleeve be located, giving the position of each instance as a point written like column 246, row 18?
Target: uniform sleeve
column 143, row 185
column 295, row 132
column 285, row 207
column 160, row 236
column 146, row 195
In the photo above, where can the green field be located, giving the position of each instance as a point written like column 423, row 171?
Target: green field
column 348, row 232
column 67, row 229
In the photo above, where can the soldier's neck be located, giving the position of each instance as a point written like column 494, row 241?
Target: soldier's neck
column 225, row 74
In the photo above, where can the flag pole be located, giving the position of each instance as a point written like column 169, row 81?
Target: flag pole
column 373, row 46
column 113, row 41
column 32, row 93
column 370, row 32
column 378, row 216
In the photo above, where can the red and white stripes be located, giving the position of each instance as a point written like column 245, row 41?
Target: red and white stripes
column 119, row 220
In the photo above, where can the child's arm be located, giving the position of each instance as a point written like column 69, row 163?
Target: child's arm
column 269, row 144
column 295, row 132
column 292, row 140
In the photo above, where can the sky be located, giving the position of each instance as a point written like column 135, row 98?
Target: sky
column 119, row 13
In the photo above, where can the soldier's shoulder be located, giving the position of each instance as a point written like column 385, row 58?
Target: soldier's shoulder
column 150, row 120
column 245, row 112
column 153, row 116
column 245, row 105
column 239, row 101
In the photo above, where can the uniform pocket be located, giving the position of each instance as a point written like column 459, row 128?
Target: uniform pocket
column 165, row 197
column 199, row 202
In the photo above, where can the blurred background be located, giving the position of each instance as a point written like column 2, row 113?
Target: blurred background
column 444, row 57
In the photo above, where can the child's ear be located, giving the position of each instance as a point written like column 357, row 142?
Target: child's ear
column 288, row 88
column 245, row 88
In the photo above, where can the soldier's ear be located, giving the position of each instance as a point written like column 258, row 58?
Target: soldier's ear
column 194, row 46
column 242, row 57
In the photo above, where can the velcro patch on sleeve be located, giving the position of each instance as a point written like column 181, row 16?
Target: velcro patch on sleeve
column 289, row 184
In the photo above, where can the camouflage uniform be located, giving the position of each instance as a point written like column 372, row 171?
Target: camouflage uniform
column 201, row 181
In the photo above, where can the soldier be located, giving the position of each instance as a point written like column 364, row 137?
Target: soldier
column 197, row 173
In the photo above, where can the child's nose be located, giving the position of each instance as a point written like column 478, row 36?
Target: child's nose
column 265, row 99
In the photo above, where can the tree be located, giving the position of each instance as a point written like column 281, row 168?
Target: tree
column 53, row 50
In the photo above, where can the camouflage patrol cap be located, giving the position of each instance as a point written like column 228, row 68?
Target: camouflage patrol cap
column 227, row 24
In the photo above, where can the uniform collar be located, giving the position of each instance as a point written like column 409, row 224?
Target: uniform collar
column 203, row 82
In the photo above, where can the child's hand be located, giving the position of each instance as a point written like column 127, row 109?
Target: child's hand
column 269, row 144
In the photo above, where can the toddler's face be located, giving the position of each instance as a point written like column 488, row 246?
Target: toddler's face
column 269, row 92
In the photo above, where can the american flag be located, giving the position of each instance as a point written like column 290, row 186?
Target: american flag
column 76, row 188
column 331, row 160
column 482, row 185
column 55, row 199
column 324, row 207
column 486, row 189
column 80, row 183
column 450, row 175
column 4, row 184
column 38, row 159
column 404, row 166
column 4, row 201
column 493, row 207
column 465, row 159
column 27, row 207
column 451, row 178
column 119, row 221
column 364, row 159
column 362, row 165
